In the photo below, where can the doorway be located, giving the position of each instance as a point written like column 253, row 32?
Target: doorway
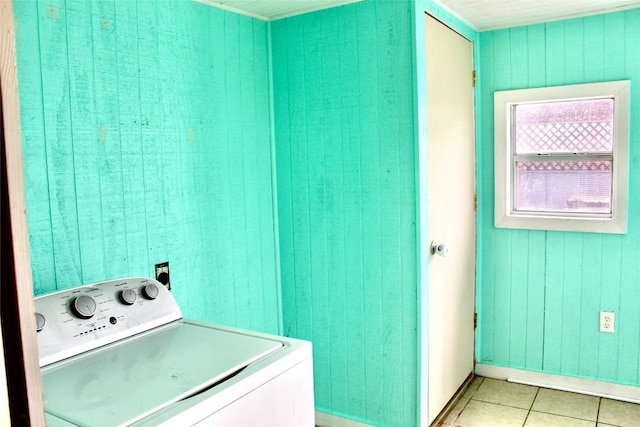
column 452, row 211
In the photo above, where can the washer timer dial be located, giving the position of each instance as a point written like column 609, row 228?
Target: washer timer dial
column 40, row 322
column 84, row 307
column 150, row 291
column 128, row 296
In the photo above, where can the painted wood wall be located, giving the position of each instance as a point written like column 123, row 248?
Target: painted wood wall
column 146, row 138
column 540, row 292
column 346, row 199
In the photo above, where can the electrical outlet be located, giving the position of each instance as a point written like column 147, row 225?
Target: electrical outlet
column 162, row 274
column 607, row 321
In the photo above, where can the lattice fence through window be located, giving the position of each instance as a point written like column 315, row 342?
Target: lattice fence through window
column 584, row 126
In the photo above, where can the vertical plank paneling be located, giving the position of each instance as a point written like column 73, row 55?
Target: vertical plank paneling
column 594, row 49
column 535, row 297
column 167, row 46
column 152, row 141
column 555, row 250
column 34, row 145
column 571, row 299
column 147, row 139
column 590, row 304
column 109, row 151
column 535, row 300
column 574, row 48
column 536, row 54
column 86, row 137
column 629, row 365
column 333, row 193
column 354, row 291
column 345, row 155
column 502, row 249
column 519, row 247
column 60, row 161
column 568, row 277
column 628, row 317
column 518, row 303
column 614, row 46
column 316, row 175
column 554, row 259
column 135, row 210
column 610, row 301
column 372, row 273
column 280, row 48
column 485, row 346
column 518, row 58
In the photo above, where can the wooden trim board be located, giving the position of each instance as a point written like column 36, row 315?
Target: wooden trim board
column 25, row 324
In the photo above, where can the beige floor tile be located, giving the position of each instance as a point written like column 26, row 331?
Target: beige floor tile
column 619, row 413
column 460, row 404
column 505, row 393
column 539, row 419
column 483, row 414
column 473, row 387
column 605, row 425
column 567, row 404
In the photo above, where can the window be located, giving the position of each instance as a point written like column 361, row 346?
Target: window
column 561, row 158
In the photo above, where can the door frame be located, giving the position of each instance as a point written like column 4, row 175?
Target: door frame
column 22, row 367
column 423, row 241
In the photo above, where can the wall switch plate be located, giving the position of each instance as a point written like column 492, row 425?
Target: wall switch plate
column 607, row 321
column 162, row 274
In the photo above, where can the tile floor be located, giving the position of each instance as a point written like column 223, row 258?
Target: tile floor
column 494, row 403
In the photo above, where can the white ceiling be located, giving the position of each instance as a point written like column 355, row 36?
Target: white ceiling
column 492, row 14
column 268, row 10
column 481, row 15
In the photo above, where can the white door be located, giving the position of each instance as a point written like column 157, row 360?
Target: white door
column 452, row 216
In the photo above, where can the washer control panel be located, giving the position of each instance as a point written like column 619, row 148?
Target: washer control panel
column 80, row 319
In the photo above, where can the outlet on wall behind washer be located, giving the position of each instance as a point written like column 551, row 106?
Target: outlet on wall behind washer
column 162, row 274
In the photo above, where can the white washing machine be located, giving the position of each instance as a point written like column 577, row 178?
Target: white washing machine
column 119, row 353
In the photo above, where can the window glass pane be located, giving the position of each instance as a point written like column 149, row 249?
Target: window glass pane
column 563, row 186
column 565, row 127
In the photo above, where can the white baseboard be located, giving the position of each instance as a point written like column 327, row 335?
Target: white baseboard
column 625, row 393
column 325, row 420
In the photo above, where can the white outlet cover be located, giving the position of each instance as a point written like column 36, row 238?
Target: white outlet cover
column 607, row 321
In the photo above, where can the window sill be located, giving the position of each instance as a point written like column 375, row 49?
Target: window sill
column 563, row 223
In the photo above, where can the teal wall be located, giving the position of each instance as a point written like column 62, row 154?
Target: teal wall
column 346, row 198
column 146, row 138
column 540, row 292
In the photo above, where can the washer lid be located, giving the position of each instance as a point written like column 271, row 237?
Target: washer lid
column 126, row 381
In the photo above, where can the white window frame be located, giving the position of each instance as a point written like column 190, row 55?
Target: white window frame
column 505, row 216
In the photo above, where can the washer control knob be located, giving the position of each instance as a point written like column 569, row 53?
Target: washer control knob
column 84, row 307
column 40, row 321
column 150, row 291
column 128, row 296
